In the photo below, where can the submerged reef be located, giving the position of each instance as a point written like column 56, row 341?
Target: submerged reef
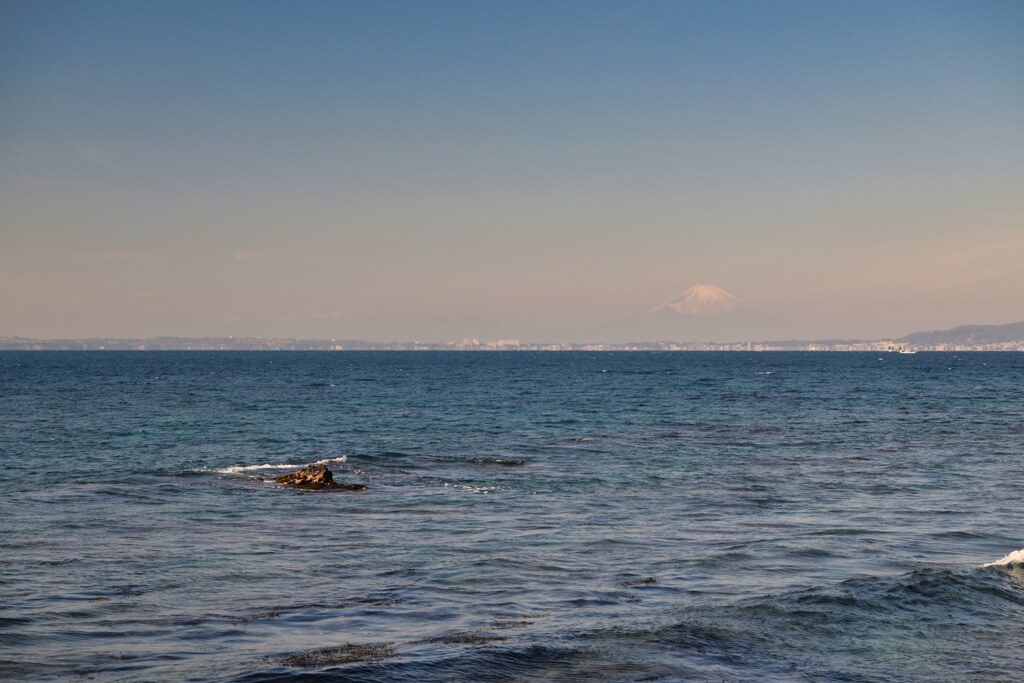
column 348, row 653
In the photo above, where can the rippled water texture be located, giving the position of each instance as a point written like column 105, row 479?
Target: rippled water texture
column 529, row 517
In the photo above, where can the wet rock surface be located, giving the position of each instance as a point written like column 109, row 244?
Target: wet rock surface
column 316, row 477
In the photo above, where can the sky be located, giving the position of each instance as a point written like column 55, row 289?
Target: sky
column 546, row 171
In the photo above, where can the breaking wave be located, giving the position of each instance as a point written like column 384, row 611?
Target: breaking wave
column 1016, row 557
column 240, row 469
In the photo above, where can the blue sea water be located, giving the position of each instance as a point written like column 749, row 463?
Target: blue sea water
column 528, row 516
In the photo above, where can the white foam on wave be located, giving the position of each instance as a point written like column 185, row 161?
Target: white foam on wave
column 1016, row 557
column 239, row 469
column 471, row 488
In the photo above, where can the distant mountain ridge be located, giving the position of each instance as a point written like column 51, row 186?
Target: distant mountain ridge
column 968, row 335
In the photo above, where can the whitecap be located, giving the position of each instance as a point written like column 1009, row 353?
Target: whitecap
column 470, row 488
column 340, row 458
column 239, row 469
column 1016, row 557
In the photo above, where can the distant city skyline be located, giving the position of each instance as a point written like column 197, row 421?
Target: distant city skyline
column 523, row 170
column 1007, row 337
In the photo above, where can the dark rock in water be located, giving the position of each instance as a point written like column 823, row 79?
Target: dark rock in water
column 645, row 581
column 504, row 624
column 313, row 477
column 456, row 638
column 316, row 477
column 348, row 653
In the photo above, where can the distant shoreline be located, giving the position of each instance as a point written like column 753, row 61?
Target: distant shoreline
column 1007, row 337
column 142, row 346
column 453, row 351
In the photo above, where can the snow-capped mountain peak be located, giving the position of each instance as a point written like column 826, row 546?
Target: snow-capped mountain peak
column 702, row 300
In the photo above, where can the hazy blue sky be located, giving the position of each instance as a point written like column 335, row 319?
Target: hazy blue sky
column 541, row 170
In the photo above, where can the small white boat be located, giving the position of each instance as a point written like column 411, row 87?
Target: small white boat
column 902, row 349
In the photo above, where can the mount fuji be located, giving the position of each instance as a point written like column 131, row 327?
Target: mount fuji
column 702, row 300
column 704, row 313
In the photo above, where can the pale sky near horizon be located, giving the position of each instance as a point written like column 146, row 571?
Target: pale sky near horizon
column 537, row 170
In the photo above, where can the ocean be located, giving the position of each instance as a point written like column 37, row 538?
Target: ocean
column 528, row 516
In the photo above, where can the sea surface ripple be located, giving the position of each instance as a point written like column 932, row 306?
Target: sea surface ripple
column 528, row 516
